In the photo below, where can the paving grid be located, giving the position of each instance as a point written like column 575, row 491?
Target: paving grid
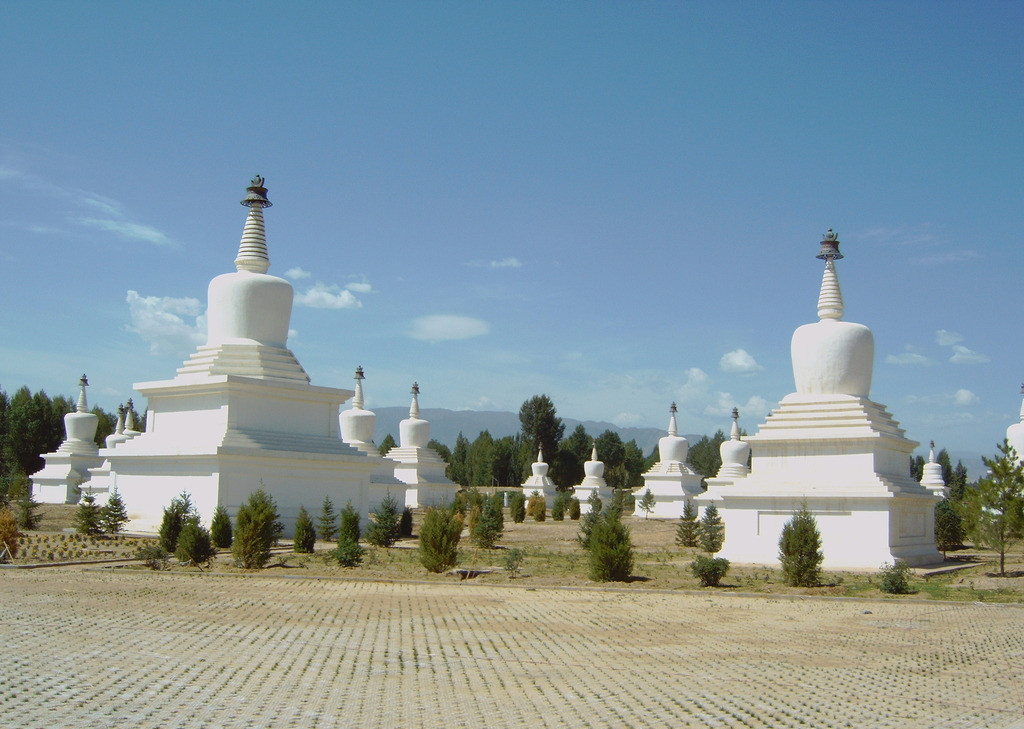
column 112, row 649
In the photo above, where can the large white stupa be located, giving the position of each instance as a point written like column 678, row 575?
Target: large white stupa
column 68, row 467
column 540, row 482
column 671, row 481
column 593, row 482
column 830, row 447
column 417, row 465
column 241, row 412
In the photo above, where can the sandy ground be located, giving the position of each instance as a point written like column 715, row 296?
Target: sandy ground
column 115, row 648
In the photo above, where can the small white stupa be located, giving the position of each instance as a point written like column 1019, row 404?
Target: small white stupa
column 241, row 412
column 735, row 455
column 932, row 479
column 671, row 481
column 68, row 467
column 540, row 483
column 118, row 435
column 829, row 447
column 418, row 466
column 357, row 424
column 593, row 482
column 1015, row 433
column 129, row 431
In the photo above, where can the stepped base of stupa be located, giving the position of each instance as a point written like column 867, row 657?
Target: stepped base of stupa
column 422, row 470
column 671, row 484
column 58, row 481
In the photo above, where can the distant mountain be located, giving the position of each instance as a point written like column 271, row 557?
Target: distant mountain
column 445, row 426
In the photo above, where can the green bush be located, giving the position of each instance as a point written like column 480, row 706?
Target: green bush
column 305, row 534
column 194, row 543
column 114, row 514
column 174, row 519
column 711, row 530
column 87, row 516
column 491, row 524
column 587, row 527
column 709, row 570
column 560, row 505
column 611, row 551
column 574, row 508
column 646, row 503
column 514, row 562
column 382, row 531
column 153, row 556
column 895, row 578
column 949, row 527
column 9, row 532
column 517, row 507
column 220, row 527
column 405, row 523
column 687, row 531
column 257, row 529
column 473, row 518
column 348, row 553
column 349, row 524
column 23, row 503
column 439, row 539
column 595, row 502
column 327, row 522
column 800, row 550
column 537, row 507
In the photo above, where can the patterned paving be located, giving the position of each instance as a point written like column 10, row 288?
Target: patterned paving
column 119, row 648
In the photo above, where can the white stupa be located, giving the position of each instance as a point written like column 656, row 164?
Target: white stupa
column 735, row 455
column 1015, row 433
column 118, row 435
column 68, row 467
column 357, row 424
column 932, row 479
column 240, row 413
column 830, row 447
column 593, row 482
column 671, row 481
column 418, row 466
column 539, row 482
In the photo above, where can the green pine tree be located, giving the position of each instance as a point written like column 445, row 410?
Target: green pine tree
column 174, row 519
column 349, row 524
column 949, row 527
column 994, row 509
column 194, row 543
column 611, row 549
column 87, row 516
column 257, row 529
column 220, row 528
column 711, row 530
column 491, row 524
column 517, row 507
column 327, row 522
column 439, row 539
column 686, row 532
column 383, row 529
column 305, row 534
column 800, row 550
column 114, row 514
column 646, row 503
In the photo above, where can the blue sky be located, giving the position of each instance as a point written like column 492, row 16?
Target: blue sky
column 616, row 204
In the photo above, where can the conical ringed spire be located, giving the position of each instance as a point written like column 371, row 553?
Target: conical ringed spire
column 82, row 406
column 672, row 427
column 830, row 299
column 735, row 433
column 252, row 250
column 357, row 400
column 414, row 408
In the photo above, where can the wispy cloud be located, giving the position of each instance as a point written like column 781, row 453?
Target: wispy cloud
column 129, row 231
column 507, row 263
column 361, row 287
column 447, row 327
column 963, row 355
column 328, row 296
column 297, row 273
column 946, row 338
column 901, row 235
column 907, row 358
column 964, row 397
column 170, row 325
column 739, row 362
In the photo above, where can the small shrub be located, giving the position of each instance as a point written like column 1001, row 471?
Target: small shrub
column 611, row 551
column 114, row 514
column 686, row 533
column 257, row 529
column 560, row 505
column 87, row 516
column 23, row 503
column 895, row 578
column 174, row 519
column 800, row 550
column 405, row 523
column 327, row 522
column 514, row 562
column 574, row 509
column 348, row 553
column 587, row 527
column 517, row 507
column 646, row 503
column 473, row 519
column 595, row 502
column 711, row 531
column 153, row 556
column 382, row 530
column 491, row 524
column 349, row 524
column 709, row 570
column 949, row 527
column 537, row 507
column 439, row 539
column 220, row 527
column 305, row 534
column 9, row 533
column 194, row 544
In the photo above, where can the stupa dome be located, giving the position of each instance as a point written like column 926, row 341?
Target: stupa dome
column 1015, row 433
column 539, row 467
column 80, row 425
column 673, row 447
column 357, row 424
column 735, row 453
column 831, row 356
column 413, row 431
column 249, row 306
column 594, row 467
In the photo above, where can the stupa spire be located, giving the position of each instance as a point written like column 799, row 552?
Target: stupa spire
column 735, row 433
column 673, row 429
column 1022, row 403
column 414, row 408
column 120, row 420
column 83, row 406
column 830, row 299
column 357, row 400
column 252, row 250
column 593, row 452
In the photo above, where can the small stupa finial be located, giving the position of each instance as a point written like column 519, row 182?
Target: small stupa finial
column 252, row 249
column 673, row 428
column 357, row 400
column 735, row 433
column 593, row 452
column 256, row 194
column 120, row 419
column 414, row 409
column 830, row 299
column 830, row 247
column 82, row 406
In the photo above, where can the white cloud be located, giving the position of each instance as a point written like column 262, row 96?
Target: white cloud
column 739, row 362
column 360, row 287
column 947, row 339
column 297, row 273
column 129, row 231
column 327, row 296
column 963, row 355
column 507, row 263
column 292, row 334
column 170, row 325
column 445, row 327
column 964, row 397
column 753, row 410
column 907, row 358
column 627, row 420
